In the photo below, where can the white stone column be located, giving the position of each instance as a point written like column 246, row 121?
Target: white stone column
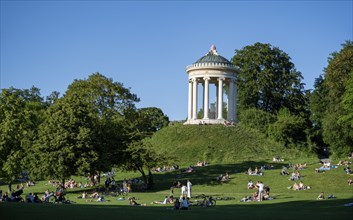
column 194, row 98
column 231, row 101
column 206, row 103
column 220, row 98
column 190, row 100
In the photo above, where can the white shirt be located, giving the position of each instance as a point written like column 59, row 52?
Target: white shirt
column 261, row 187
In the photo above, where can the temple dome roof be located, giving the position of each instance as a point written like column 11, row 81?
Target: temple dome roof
column 213, row 57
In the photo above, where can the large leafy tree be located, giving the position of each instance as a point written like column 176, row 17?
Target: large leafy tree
column 337, row 129
column 140, row 155
column 347, row 103
column 86, row 129
column 20, row 115
column 317, row 106
column 268, row 80
column 65, row 146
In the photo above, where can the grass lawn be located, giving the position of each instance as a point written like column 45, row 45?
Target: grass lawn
column 328, row 209
column 287, row 204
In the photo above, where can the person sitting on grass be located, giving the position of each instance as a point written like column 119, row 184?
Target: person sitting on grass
column 177, row 204
column 349, row 181
column 255, row 196
column 47, row 195
column 94, row 195
column 251, row 184
column 284, row 171
column 295, row 186
column 83, row 196
column 184, row 204
column 347, row 170
column 295, row 175
column 36, row 198
column 321, row 196
column 301, row 185
column 133, row 202
column 171, row 199
column 223, row 178
column 30, row 198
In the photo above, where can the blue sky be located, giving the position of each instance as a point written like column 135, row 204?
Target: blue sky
column 146, row 45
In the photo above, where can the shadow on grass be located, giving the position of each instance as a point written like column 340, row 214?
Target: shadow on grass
column 325, row 209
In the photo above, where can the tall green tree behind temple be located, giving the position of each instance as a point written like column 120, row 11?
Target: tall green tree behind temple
column 268, row 80
column 269, row 85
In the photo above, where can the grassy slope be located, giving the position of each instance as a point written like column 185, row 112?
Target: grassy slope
column 228, row 149
column 215, row 144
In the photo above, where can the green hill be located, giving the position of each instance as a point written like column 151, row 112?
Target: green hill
column 216, row 144
column 228, row 149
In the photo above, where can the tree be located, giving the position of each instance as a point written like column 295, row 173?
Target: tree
column 142, row 156
column 20, row 116
column 257, row 119
column 317, row 106
column 65, row 146
column 112, row 107
column 289, row 129
column 268, row 80
column 150, row 120
column 337, row 131
column 347, row 103
column 86, row 130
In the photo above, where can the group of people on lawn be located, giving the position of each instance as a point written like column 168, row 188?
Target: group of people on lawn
column 262, row 192
column 181, row 203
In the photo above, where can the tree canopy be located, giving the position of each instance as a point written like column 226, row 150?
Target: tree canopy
column 84, row 131
column 20, row 115
column 336, row 93
column 268, row 80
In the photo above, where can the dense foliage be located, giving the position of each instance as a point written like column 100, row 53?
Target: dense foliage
column 331, row 102
column 87, row 130
column 268, row 79
column 271, row 96
column 20, row 116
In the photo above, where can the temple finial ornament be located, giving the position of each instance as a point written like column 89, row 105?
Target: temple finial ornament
column 213, row 50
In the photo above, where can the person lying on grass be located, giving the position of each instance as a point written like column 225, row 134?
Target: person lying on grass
column 165, row 201
column 133, row 202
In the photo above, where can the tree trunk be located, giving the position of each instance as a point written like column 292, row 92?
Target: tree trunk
column 150, row 180
column 144, row 178
column 9, row 187
column 99, row 178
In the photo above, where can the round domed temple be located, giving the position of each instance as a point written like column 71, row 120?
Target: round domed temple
column 212, row 69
